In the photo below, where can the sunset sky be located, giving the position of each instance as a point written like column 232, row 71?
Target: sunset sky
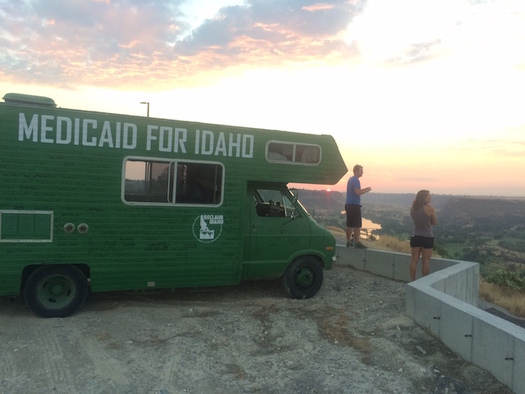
column 425, row 94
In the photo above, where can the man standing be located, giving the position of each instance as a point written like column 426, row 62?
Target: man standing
column 354, row 221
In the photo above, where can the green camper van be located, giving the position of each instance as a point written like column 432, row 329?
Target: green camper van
column 94, row 202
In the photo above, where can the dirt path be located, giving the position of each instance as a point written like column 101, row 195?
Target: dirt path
column 353, row 337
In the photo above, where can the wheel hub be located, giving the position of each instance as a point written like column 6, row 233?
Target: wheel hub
column 304, row 277
column 57, row 289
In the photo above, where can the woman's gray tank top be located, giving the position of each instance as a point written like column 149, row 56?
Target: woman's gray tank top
column 422, row 223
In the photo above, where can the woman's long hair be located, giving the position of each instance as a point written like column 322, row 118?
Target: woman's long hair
column 419, row 201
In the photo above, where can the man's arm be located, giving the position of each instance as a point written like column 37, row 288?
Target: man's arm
column 360, row 192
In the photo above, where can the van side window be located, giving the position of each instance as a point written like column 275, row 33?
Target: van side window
column 172, row 182
column 273, row 203
column 148, row 181
column 198, row 183
column 287, row 152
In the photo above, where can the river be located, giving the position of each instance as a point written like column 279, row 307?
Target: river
column 368, row 229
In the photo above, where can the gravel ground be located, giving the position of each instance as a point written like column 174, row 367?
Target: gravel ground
column 353, row 337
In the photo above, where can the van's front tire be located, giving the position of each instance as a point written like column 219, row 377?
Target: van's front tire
column 303, row 278
column 55, row 290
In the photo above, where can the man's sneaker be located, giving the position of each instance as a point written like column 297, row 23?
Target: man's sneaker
column 359, row 245
column 350, row 244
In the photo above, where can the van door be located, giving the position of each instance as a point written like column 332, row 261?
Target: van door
column 278, row 229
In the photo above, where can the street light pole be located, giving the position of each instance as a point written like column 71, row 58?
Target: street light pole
column 147, row 103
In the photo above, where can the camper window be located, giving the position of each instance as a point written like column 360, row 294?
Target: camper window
column 287, row 152
column 170, row 182
column 199, row 183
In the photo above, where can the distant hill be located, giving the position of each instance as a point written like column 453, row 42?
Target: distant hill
column 492, row 211
column 402, row 200
column 322, row 199
column 449, row 206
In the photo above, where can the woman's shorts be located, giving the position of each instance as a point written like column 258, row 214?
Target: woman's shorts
column 418, row 241
column 353, row 216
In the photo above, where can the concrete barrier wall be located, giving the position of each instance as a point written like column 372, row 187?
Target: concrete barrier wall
column 445, row 302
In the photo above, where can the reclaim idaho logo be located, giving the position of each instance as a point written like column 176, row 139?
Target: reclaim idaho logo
column 207, row 228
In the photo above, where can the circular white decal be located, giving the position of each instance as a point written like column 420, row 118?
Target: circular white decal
column 207, row 228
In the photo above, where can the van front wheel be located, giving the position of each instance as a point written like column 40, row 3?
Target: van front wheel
column 303, row 278
column 55, row 290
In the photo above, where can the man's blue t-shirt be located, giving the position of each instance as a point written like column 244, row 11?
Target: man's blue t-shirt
column 351, row 197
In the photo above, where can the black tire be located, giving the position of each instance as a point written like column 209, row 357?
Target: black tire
column 303, row 278
column 55, row 290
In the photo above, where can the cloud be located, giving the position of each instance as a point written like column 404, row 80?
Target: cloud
column 405, row 31
column 78, row 42
column 124, row 43
column 502, row 148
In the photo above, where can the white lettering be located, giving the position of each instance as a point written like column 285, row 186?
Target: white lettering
column 197, row 139
column 85, row 130
column 63, row 130
column 77, row 131
column 236, row 145
column 106, row 137
column 68, row 125
column 213, row 217
column 180, row 139
column 207, row 142
column 117, row 135
column 163, row 131
column 127, row 144
column 150, row 137
column 44, row 129
column 221, row 145
column 248, row 142
column 25, row 130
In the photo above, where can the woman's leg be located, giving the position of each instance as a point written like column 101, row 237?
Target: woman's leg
column 426, row 254
column 415, row 252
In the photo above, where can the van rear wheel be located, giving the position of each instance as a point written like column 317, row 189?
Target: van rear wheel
column 55, row 290
column 303, row 278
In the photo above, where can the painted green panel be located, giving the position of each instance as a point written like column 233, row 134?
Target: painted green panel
column 9, row 225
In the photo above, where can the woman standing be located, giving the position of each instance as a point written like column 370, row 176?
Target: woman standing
column 422, row 238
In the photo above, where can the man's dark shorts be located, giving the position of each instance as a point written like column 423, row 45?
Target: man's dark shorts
column 417, row 241
column 353, row 216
